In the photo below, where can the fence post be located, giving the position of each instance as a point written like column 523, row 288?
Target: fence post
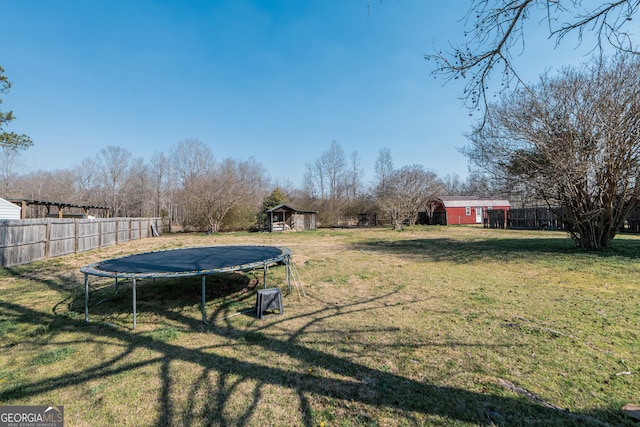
column 47, row 238
column 76, row 232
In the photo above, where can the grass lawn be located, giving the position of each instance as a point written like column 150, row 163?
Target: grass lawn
column 456, row 326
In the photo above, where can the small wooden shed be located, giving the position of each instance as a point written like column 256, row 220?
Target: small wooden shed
column 286, row 218
column 8, row 210
column 459, row 210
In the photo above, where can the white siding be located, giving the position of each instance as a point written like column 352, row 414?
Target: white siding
column 8, row 210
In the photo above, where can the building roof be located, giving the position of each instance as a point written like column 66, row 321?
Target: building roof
column 57, row 204
column 284, row 207
column 464, row 201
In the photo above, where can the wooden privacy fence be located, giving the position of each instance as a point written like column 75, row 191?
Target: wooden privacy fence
column 544, row 218
column 523, row 218
column 495, row 218
column 534, row 218
column 26, row 240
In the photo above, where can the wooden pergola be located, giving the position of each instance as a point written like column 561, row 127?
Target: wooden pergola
column 24, row 203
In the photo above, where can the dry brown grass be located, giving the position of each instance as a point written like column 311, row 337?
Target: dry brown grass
column 430, row 326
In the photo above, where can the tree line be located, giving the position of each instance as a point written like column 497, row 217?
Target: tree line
column 192, row 190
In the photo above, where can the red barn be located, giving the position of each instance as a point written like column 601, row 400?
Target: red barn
column 458, row 210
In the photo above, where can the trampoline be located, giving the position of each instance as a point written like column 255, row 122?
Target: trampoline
column 185, row 262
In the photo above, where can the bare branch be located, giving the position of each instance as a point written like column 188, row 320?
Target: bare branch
column 497, row 28
column 495, row 32
column 607, row 22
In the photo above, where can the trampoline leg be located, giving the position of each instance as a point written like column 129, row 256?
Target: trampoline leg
column 264, row 276
column 286, row 262
column 116, row 285
column 204, row 289
column 86, row 298
column 134, row 303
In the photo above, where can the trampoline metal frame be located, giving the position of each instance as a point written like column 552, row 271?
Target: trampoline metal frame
column 93, row 270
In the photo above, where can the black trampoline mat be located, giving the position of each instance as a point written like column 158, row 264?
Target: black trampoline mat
column 188, row 261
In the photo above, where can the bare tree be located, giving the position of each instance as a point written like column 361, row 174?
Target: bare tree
column 255, row 181
column 229, row 185
column 383, row 167
column 496, row 29
column 314, row 180
column 191, row 163
column 138, row 193
column 333, row 164
column 159, row 171
column 113, row 164
column 406, row 192
column 191, row 160
column 485, row 185
column 575, row 140
column 86, row 182
column 58, row 185
column 453, row 185
column 30, row 185
column 353, row 176
column 326, row 180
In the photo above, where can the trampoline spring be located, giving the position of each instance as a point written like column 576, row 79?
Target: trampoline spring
column 239, row 312
column 296, row 280
column 100, row 302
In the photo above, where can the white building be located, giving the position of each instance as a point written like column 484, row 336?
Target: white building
column 8, row 210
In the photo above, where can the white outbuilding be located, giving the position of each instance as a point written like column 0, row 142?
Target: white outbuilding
column 9, row 210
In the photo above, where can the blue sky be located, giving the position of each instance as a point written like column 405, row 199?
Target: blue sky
column 278, row 80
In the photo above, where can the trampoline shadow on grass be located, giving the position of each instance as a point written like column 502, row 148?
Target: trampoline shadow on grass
column 168, row 299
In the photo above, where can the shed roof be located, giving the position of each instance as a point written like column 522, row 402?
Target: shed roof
column 464, row 201
column 284, row 207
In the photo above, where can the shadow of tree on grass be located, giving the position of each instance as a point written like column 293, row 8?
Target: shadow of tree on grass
column 349, row 383
column 507, row 249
